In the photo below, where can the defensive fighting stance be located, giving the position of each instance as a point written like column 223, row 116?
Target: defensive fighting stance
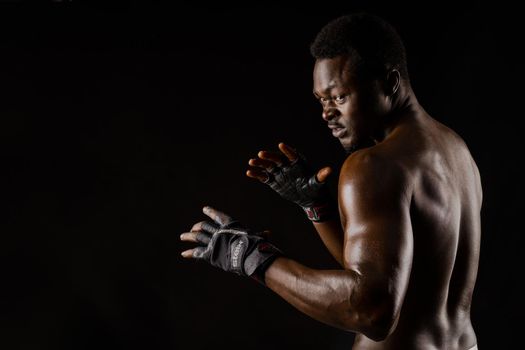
column 406, row 228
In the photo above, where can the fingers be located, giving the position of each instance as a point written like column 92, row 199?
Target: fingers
column 273, row 157
column 217, row 216
column 262, row 163
column 205, row 226
column 288, row 151
column 269, row 161
column 258, row 174
column 195, row 253
column 202, row 232
column 187, row 253
column 196, row 237
column 323, row 174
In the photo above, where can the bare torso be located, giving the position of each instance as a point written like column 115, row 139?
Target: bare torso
column 445, row 216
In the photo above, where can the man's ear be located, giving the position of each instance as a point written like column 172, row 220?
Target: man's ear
column 393, row 79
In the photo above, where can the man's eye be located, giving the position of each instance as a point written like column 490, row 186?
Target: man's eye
column 323, row 100
column 340, row 99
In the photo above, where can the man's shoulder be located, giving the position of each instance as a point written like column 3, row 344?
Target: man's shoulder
column 373, row 165
column 362, row 160
column 371, row 176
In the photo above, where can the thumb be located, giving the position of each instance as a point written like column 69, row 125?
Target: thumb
column 323, row 174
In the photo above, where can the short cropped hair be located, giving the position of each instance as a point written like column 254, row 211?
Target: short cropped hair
column 370, row 42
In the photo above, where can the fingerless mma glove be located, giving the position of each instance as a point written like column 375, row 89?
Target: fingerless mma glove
column 298, row 183
column 234, row 248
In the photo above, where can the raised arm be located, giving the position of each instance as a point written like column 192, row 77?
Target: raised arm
column 367, row 295
column 294, row 180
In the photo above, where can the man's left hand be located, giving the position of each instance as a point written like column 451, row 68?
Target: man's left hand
column 227, row 244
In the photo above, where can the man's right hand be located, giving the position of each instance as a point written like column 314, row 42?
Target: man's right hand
column 288, row 174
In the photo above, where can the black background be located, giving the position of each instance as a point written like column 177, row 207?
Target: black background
column 119, row 121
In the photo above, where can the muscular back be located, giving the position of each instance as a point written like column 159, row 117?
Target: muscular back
column 444, row 209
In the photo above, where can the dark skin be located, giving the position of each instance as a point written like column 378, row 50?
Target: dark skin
column 408, row 235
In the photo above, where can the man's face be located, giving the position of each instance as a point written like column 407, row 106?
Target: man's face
column 352, row 107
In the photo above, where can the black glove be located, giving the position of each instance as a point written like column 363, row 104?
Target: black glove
column 297, row 182
column 232, row 247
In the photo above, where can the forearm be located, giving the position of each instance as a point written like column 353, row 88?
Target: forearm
column 332, row 236
column 324, row 295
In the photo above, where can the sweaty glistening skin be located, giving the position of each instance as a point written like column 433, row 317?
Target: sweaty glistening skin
column 408, row 232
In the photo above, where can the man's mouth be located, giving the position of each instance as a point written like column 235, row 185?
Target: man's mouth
column 337, row 130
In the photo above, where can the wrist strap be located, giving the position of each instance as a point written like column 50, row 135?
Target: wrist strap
column 260, row 272
column 260, row 259
column 320, row 213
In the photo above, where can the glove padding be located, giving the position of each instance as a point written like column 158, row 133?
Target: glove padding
column 297, row 182
column 235, row 248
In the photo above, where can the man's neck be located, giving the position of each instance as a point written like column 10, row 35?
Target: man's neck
column 404, row 105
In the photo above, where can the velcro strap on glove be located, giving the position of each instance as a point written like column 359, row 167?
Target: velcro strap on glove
column 320, row 213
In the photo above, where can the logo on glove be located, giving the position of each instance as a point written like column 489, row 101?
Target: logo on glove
column 236, row 251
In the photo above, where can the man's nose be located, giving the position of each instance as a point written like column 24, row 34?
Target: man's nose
column 329, row 113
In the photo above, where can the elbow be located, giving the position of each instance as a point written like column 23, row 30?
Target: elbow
column 380, row 328
column 376, row 323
